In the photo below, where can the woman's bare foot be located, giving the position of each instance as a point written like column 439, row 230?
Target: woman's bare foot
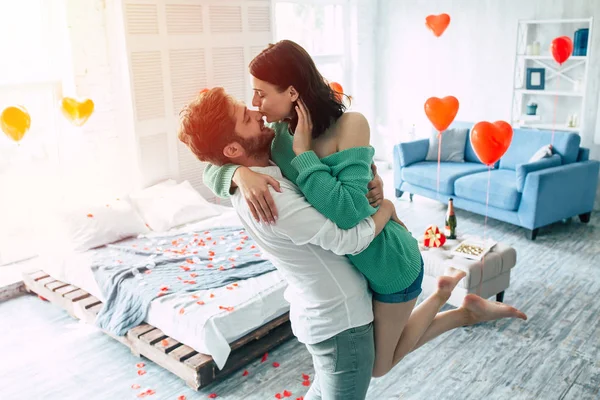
column 481, row 310
column 448, row 281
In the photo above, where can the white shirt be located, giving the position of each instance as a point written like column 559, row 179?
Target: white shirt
column 327, row 294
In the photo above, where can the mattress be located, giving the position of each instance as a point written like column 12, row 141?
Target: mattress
column 225, row 315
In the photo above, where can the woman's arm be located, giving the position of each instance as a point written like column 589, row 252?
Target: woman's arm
column 340, row 194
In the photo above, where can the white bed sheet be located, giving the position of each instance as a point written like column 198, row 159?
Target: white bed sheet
column 206, row 328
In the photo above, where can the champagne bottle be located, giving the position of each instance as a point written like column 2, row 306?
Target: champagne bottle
column 450, row 230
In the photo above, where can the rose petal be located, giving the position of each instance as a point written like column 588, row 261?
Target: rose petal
column 235, row 284
column 183, row 267
column 279, row 396
column 193, row 275
column 150, row 392
column 306, row 383
column 182, row 311
column 209, row 266
column 276, row 364
column 182, row 397
column 287, row 393
column 238, row 248
column 164, row 288
column 264, row 358
column 141, row 372
column 300, row 398
column 164, row 342
column 140, row 365
column 212, row 295
column 90, row 215
column 135, row 386
column 195, row 296
column 143, row 394
column 245, row 373
column 257, row 255
column 253, row 247
column 212, row 396
column 200, row 302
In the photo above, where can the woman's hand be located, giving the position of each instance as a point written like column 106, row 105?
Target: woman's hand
column 303, row 133
column 255, row 189
column 396, row 219
column 375, row 195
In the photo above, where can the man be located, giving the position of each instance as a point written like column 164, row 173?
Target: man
column 330, row 304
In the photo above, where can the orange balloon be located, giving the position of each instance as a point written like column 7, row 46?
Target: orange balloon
column 15, row 121
column 441, row 112
column 490, row 141
column 77, row 112
column 338, row 89
column 437, row 23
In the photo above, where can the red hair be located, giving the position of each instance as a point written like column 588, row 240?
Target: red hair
column 207, row 125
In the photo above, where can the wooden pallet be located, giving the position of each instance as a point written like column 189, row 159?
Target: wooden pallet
column 196, row 369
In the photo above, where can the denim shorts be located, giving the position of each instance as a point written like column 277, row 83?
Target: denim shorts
column 406, row 295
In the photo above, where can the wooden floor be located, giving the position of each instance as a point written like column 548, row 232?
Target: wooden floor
column 555, row 355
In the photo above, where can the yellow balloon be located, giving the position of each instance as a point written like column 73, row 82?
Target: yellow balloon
column 15, row 121
column 77, row 112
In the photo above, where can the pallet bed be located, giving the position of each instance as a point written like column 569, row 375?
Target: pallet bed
column 196, row 369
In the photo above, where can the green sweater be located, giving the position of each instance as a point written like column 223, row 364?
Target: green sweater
column 336, row 186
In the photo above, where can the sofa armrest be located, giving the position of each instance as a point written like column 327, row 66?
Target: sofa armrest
column 556, row 193
column 584, row 154
column 412, row 152
column 523, row 169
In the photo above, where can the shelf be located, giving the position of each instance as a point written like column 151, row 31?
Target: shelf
column 550, row 58
column 550, row 92
column 548, row 127
column 556, row 21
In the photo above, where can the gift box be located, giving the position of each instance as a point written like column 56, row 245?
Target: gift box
column 434, row 237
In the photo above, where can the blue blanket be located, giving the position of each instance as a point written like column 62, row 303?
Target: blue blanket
column 133, row 272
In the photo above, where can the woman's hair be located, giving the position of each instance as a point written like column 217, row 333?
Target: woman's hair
column 286, row 64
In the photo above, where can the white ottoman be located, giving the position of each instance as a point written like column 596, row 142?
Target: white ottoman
column 496, row 271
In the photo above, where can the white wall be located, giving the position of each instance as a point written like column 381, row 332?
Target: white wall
column 473, row 60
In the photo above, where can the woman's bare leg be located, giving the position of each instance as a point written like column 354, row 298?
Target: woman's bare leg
column 398, row 326
column 473, row 310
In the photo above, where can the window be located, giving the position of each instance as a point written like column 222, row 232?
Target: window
column 322, row 28
column 29, row 76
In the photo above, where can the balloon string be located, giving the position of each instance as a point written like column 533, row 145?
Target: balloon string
column 439, row 158
column 487, row 201
column 555, row 105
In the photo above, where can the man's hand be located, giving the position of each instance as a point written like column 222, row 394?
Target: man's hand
column 255, row 189
column 375, row 195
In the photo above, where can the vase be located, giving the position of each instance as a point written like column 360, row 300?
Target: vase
column 531, row 109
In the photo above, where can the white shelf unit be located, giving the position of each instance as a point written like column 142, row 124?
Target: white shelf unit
column 565, row 86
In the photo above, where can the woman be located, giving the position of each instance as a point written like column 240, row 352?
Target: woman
column 326, row 152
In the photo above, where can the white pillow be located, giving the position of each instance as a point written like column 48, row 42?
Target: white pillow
column 168, row 206
column 82, row 228
column 543, row 152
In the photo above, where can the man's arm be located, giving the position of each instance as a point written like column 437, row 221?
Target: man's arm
column 302, row 224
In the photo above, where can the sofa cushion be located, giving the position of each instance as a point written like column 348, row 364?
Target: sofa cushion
column 452, row 146
column 526, row 142
column 503, row 188
column 524, row 169
column 424, row 174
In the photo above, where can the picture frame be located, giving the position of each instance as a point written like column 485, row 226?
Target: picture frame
column 536, row 78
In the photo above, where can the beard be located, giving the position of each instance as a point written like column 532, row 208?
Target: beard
column 259, row 146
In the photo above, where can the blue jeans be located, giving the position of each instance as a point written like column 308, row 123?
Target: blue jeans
column 343, row 365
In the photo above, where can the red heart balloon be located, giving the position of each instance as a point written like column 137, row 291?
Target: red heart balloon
column 441, row 112
column 437, row 23
column 490, row 141
column 562, row 48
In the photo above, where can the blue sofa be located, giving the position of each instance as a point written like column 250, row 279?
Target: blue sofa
column 530, row 195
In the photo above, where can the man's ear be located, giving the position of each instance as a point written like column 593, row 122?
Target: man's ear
column 233, row 150
column 293, row 93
